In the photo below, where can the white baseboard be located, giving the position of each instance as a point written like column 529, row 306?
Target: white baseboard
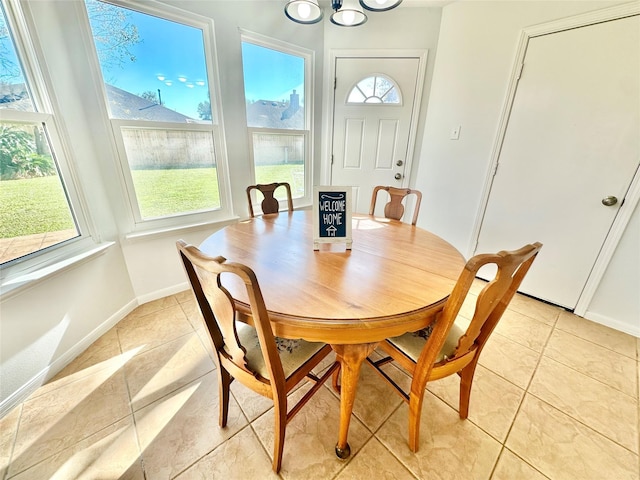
column 62, row 361
column 165, row 292
column 613, row 323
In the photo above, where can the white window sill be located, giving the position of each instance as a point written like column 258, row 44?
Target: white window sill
column 156, row 232
column 13, row 285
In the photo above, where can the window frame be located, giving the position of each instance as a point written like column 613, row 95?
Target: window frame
column 19, row 271
column 307, row 153
column 394, row 85
column 138, row 225
column 309, row 70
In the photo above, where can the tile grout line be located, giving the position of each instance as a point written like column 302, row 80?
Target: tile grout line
column 589, row 376
column 577, row 420
column 170, row 393
column 133, row 417
column 51, row 455
column 526, row 391
column 594, row 343
column 374, row 436
column 581, row 422
column 133, row 412
column 521, row 459
column 13, row 443
column 262, row 445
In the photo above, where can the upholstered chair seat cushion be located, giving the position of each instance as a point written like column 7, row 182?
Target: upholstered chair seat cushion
column 293, row 353
column 413, row 343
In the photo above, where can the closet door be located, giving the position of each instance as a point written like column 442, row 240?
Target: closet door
column 569, row 154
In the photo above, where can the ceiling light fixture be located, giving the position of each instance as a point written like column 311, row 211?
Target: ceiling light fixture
column 346, row 13
column 303, row 11
column 379, row 5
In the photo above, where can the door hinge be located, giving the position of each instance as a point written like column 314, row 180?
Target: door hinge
column 520, row 71
column 332, row 159
column 335, row 82
column 495, row 169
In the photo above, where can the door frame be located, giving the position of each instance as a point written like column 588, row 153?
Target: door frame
column 632, row 197
column 329, row 102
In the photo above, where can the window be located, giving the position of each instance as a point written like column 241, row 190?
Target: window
column 36, row 194
column 375, row 89
column 159, row 103
column 276, row 88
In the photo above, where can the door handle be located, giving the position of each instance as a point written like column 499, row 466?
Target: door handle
column 398, row 176
column 609, row 201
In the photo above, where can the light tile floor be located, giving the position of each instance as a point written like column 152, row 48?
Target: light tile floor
column 555, row 396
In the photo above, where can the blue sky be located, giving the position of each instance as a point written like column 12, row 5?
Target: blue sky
column 170, row 57
column 271, row 75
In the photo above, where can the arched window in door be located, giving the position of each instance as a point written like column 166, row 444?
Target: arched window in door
column 375, row 89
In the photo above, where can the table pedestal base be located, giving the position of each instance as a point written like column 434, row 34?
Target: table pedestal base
column 350, row 358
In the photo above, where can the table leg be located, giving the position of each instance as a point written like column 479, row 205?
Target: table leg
column 350, row 358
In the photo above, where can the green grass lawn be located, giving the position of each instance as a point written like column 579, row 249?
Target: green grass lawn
column 294, row 174
column 38, row 205
column 34, row 205
column 175, row 191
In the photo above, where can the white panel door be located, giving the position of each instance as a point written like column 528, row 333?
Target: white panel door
column 371, row 140
column 572, row 140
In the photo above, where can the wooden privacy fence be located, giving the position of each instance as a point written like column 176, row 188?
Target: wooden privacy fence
column 165, row 149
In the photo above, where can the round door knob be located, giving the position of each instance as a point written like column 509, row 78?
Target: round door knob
column 609, row 201
column 398, row 176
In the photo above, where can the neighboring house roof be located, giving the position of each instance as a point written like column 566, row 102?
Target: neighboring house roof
column 123, row 105
column 16, row 97
column 273, row 114
column 127, row 106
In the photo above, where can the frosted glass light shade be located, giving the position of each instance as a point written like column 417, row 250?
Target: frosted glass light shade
column 350, row 14
column 379, row 5
column 303, row 11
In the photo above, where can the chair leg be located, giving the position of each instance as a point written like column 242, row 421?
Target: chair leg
column 466, row 382
column 224, row 382
column 280, row 413
column 415, row 412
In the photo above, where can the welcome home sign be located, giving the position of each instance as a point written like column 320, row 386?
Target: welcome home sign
column 331, row 215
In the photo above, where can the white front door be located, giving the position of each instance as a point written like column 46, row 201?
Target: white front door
column 373, row 123
column 571, row 145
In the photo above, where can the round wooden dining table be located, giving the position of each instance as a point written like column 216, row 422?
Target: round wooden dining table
column 395, row 278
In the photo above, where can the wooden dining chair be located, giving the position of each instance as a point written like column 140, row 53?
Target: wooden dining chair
column 244, row 345
column 269, row 203
column 445, row 347
column 394, row 208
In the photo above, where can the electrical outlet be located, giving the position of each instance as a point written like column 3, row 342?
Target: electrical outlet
column 455, row 133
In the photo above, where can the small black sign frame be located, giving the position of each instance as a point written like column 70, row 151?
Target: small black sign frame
column 332, row 215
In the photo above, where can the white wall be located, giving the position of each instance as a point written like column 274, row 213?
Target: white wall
column 476, row 51
column 45, row 326
column 617, row 301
